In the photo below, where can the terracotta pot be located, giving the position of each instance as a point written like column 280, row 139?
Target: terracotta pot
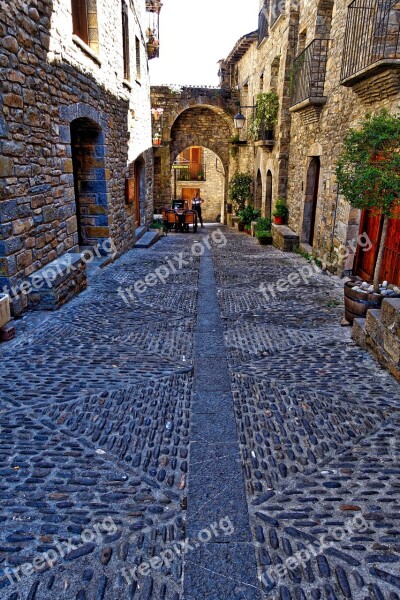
column 278, row 220
column 157, row 142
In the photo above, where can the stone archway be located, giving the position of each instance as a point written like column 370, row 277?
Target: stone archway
column 193, row 117
column 90, row 185
column 310, row 201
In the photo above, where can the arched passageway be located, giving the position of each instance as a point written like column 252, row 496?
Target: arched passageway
column 90, row 185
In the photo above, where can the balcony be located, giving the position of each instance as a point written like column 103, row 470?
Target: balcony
column 190, row 171
column 308, row 76
column 371, row 40
column 265, row 137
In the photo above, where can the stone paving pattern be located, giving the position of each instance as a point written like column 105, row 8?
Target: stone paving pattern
column 291, row 429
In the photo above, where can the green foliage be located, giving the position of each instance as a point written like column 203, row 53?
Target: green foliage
column 263, row 224
column 240, row 190
column 368, row 170
column 281, row 210
column 303, row 253
column 248, row 214
column 264, row 237
column 265, row 114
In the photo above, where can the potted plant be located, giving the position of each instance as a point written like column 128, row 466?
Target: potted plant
column 263, row 230
column 265, row 116
column 240, row 192
column 368, row 175
column 157, row 112
column 156, row 139
column 280, row 212
column 247, row 215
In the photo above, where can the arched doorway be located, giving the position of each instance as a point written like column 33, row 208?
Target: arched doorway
column 140, row 189
column 258, row 194
column 268, row 195
column 310, row 201
column 87, row 145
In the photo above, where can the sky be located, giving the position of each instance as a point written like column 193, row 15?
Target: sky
column 195, row 35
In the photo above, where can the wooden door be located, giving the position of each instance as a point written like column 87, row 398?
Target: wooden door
column 365, row 261
column 195, row 162
column 188, row 193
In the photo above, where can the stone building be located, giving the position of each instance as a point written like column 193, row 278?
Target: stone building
column 74, row 125
column 330, row 63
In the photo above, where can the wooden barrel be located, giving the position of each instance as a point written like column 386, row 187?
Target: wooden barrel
column 356, row 304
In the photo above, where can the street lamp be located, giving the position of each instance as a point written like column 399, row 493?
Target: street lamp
column 240, row 119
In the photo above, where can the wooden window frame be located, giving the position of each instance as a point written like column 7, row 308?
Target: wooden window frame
column 80, row 20
column 138, row 62
column 125, row 42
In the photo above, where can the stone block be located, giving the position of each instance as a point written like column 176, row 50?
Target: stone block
column 97, row 232
column 358, row 333
column 391, row 314
column 6, row 166
column 13, row 100
column 391, row 345
column 49, row 214
column 71, row 225
column 284, row 238
column 57, row 282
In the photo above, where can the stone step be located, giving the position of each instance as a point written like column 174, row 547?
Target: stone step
column 148, row 239
column 358, row 332
column 139, row 232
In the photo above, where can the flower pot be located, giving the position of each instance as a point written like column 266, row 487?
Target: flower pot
column 240, row 226
column 156, row 142
column 278, row 220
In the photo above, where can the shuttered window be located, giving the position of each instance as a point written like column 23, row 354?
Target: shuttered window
column 80, row 23
column 125, row 41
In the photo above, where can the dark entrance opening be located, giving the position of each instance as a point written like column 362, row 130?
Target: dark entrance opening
column 268, row 195
column 310, row 201
column 140, row 189
column 87, row 143
column 258, row 194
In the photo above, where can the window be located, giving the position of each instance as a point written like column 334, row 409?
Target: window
column 80, row 22
column 137, row 47
column 84, row 22
column 125, row 41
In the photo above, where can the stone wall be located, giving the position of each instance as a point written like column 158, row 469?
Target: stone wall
column 51, row 80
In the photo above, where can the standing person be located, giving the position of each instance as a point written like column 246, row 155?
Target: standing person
column 196, row 205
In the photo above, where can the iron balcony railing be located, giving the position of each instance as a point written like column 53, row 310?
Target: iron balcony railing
column 262, row 25
column 372, row 35
column 266, row 132
column 191, row 171
column 308, row 72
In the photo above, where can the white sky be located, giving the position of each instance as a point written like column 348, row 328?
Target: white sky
column 195, row 34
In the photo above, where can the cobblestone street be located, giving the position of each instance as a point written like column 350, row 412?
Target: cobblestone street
column 199, row 440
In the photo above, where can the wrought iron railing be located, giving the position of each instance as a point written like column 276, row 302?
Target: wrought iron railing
column 372, row 35
column 190, row 171
column 262, row 25
column 308, row 72
column 266, row 132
